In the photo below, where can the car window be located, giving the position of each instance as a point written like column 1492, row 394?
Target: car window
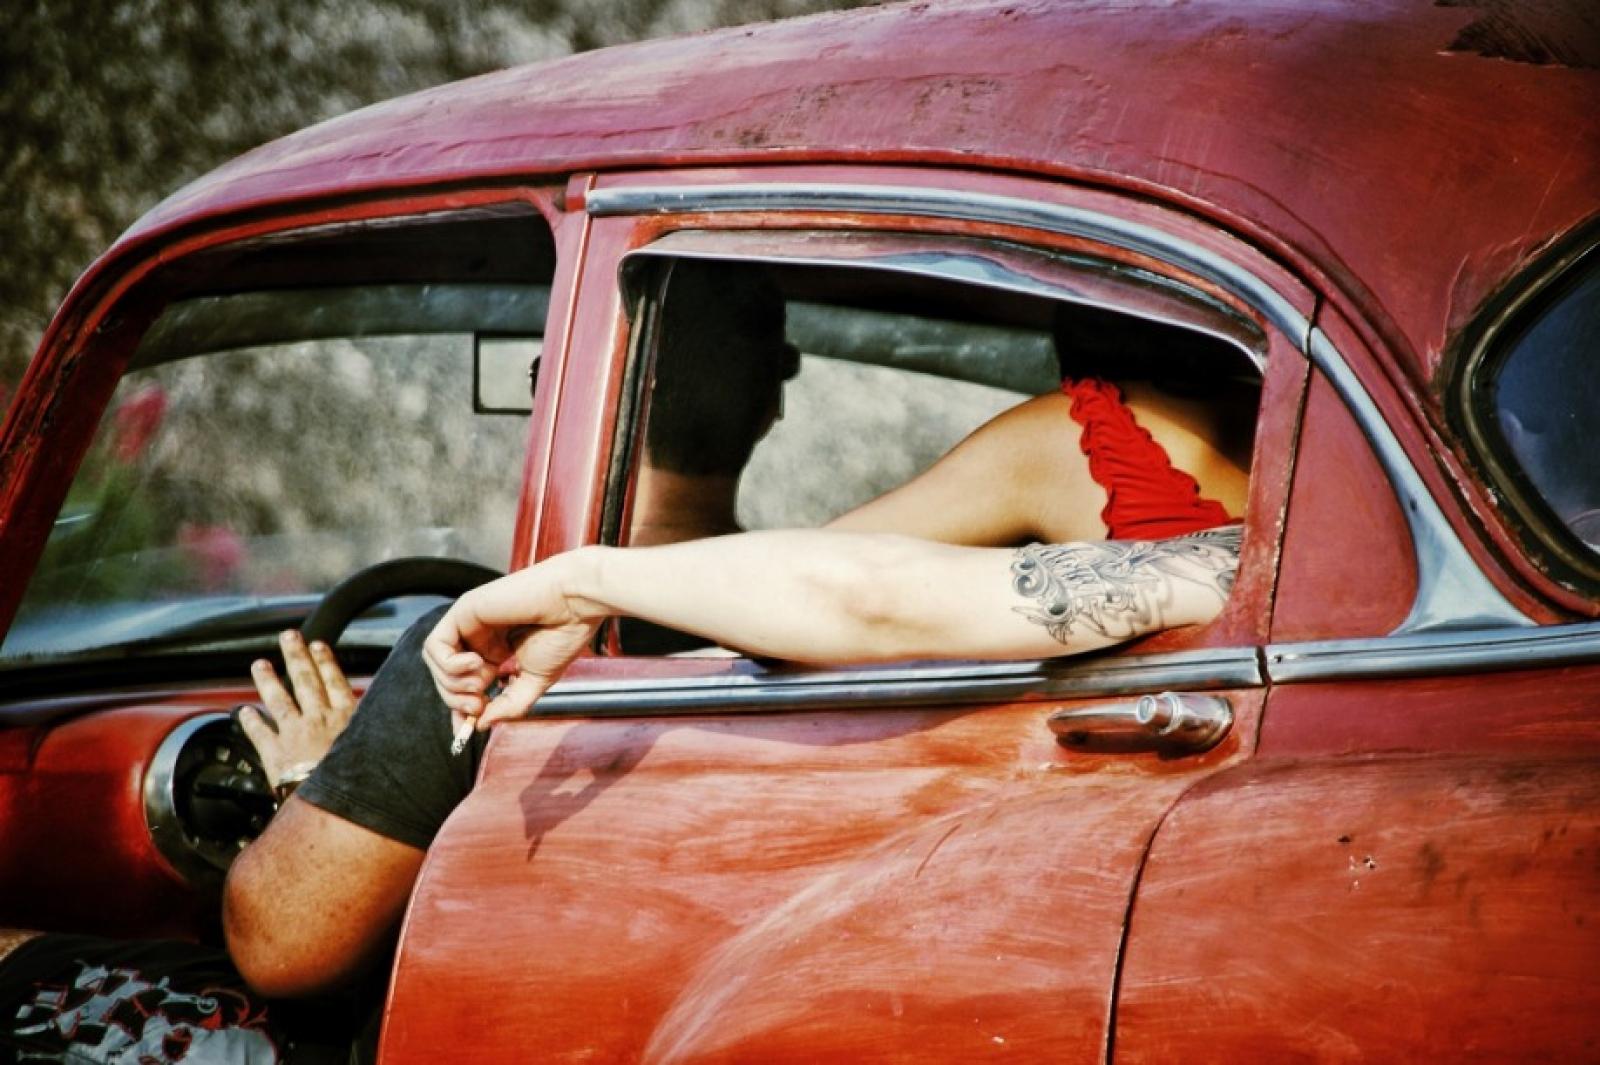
column 815, row 388
column 851, row 432
column 266, row 443
column 1545, row 395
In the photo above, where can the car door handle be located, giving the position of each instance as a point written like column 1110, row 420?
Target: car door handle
column 1169, row 722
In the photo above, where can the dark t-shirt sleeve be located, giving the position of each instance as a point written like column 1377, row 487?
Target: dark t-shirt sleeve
column 391, row 770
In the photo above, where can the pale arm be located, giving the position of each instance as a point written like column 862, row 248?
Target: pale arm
column 820, row 596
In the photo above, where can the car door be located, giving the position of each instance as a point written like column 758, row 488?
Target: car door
column 712, row 858
column 254, row 414
column 1407, row 868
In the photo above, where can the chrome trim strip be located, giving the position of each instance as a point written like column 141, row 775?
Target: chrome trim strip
column 934, row 683
column 973, row 268
column 161, row 805
column 1452, row 593
column 971, row 207
column 1435, row 653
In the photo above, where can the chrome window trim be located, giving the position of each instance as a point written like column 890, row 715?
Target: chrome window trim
column 1452, row 593
column 953, row 684
column 971, row 268
column 919, row 684
column 1435, row 653
column 962, row 206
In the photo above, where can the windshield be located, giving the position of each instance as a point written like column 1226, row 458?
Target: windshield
column 225, row 491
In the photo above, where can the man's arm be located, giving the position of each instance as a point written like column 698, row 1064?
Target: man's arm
column 314, row 899
column 819, row 596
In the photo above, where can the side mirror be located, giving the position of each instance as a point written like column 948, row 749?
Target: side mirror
column 505, row 371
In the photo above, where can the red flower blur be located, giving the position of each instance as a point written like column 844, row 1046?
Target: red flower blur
column 214, row 552
column 136, row 421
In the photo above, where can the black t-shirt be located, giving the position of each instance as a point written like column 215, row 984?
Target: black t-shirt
column 391, row 769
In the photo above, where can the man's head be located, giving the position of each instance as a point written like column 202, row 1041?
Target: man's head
column 721, row 362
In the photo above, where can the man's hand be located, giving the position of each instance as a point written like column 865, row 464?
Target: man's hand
column 304, row 724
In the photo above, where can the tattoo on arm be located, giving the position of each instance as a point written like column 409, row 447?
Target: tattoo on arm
column 1120, row 588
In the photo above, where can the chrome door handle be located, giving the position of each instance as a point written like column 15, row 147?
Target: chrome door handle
column 1186, row 724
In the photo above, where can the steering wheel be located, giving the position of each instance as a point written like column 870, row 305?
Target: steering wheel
column 417, row 575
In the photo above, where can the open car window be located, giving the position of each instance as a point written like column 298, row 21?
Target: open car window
column 322, row 407
column 893, row 349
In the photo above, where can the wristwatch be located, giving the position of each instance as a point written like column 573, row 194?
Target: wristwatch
column 290, row 779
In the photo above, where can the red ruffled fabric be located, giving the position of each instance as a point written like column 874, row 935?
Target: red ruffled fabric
column 1147, row 498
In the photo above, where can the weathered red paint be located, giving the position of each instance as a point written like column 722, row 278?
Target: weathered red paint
column 1399, row 908
column 893, row 886
column 1322, row 128
column 1470, row 512
column 1515, row 713
column 1248, row 614
column 83, row 783
column 1323, row 592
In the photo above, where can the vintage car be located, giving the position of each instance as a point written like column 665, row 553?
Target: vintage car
column 1357, row 817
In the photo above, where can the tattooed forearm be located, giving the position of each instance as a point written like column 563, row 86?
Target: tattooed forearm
column 1120, row 588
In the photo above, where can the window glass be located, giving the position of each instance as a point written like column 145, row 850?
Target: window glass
column 851, row 432
column 314, row 403
column 232, row 489
column 1546, row 396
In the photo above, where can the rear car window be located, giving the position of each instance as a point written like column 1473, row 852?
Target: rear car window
column 1546, row 396
column 1532, row 387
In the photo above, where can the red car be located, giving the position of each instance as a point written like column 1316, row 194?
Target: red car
column 1380, row 840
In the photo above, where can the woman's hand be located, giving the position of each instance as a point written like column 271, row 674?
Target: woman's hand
column 820, row 596
column 527, row 624
column 295, row 730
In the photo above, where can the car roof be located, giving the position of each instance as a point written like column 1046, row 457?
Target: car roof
column 1411, row 154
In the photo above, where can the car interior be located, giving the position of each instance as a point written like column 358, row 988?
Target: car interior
column 906, row 346
column 271, row 453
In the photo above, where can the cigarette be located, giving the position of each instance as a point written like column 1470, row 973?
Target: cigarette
column 463, row 734
column 464, row 730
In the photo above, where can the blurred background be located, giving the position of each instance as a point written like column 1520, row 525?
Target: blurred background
column 106, row 106
column 272, row 471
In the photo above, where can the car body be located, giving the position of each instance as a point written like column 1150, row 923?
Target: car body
column 1392, row 852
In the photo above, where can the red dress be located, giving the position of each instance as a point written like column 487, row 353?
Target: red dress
column 1147, row 497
